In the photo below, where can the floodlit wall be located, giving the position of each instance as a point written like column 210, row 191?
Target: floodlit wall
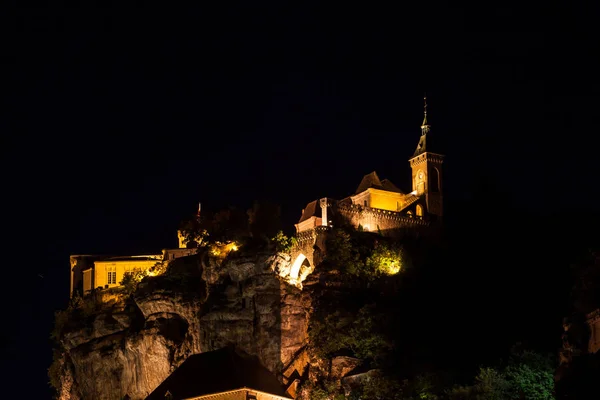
column 117, row 269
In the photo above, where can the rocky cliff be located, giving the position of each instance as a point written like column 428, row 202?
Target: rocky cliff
column 126, row 344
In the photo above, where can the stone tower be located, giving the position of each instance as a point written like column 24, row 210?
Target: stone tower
column 427, row 170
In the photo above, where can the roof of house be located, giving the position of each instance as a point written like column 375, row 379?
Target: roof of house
column 312, row 209
column 218, row 371
column 371, row 180
column 151, row 257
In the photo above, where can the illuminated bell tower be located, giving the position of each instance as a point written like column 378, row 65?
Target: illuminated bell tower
column 427, row 170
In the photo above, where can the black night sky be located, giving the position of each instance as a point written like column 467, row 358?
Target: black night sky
column 116, row 122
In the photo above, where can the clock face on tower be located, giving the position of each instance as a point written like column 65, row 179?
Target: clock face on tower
column 420, row 175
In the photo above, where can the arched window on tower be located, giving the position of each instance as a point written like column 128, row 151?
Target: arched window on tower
column 435, row 180
column 419, row 210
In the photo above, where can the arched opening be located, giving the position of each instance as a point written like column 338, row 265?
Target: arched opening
column 419, row 210
column 435, row 180
column 298, row 263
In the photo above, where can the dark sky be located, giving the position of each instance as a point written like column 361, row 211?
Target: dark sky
column 115, row 122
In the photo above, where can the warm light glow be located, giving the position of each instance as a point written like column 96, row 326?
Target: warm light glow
column 221, row 250
column 419, row 210
column 296, row 266
column 151, row 273
column 393, row 268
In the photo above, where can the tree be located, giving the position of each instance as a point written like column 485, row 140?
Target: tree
column 194, row 231
column 531, row 375
column 228, row 225
column 264, row 219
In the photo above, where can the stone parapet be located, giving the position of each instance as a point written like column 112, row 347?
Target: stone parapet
column 402, row 219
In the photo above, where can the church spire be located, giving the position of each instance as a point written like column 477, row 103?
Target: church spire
column 425, row 125
column 421, row 147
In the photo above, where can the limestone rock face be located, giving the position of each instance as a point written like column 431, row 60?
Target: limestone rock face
column 131, row 346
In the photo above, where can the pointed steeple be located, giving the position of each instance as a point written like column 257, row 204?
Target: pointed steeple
column 425, row 125
column 421, row 147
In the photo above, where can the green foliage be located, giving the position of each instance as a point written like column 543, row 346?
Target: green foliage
column 283, row 243
column 343, row 253
column 323, row 389
column 55, row 370
column 490, row 384
column 386, row 259
column 531, row 375
column 159, row 268
column 380, row 386
column 360, row 333
column 194, row 232
column 364, row 255
column 350, row 321
column 131, row 279
column 261, row 222
column 527, row 375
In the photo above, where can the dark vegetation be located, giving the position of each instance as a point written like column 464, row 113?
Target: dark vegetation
column 253, row 228
column 402, row 324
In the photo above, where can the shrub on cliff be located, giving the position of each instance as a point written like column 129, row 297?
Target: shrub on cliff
column 79, row 310
column 282, row 242
column 526, row 375
column 364, row 255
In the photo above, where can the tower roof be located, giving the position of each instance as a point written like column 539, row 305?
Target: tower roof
column 424, row 144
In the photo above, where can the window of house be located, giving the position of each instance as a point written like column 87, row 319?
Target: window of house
column 111, row 278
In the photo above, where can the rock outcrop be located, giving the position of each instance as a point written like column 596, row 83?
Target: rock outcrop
column 134, row 342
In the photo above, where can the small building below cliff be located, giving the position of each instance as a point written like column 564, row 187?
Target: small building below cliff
column 224, row 374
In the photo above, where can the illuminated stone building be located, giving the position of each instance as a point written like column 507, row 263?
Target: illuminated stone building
column 106, row 271
column 377, row 205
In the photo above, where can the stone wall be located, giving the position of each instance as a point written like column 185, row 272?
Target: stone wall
column 375, row 220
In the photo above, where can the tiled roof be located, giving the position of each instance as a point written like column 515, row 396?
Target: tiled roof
column 372, row 180
column 217, row 371
column 312, row 209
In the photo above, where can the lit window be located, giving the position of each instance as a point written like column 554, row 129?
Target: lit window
column 112, row 276
column 419, row 210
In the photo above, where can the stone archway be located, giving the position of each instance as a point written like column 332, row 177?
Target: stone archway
column 295, row 270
